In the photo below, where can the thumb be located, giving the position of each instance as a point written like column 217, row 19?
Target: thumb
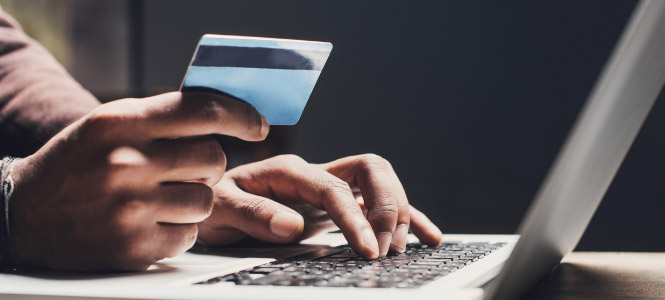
column 257, row 216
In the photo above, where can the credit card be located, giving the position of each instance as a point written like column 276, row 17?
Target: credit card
column 275, row 76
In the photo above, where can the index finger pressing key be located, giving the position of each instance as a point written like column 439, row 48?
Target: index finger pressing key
column 179, row 114
column 297, row 179
column 328, row 192
column 384, row 197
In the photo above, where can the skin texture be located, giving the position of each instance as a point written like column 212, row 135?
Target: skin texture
column 139, row 180
column 285, row 199
column 125, row 185
column 133, row 181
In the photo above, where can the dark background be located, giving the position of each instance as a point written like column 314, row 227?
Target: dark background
column 469, row 100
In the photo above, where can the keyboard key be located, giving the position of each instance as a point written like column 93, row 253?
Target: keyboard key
column 263, row 270
column 341, row 267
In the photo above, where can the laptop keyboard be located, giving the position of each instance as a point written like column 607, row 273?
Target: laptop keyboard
column 341, row 267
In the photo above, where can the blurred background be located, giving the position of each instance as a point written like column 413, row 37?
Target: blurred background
column 469, row 100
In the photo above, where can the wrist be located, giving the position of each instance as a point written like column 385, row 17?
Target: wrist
column 8, row 261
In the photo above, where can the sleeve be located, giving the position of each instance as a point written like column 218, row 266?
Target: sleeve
column 38, row 97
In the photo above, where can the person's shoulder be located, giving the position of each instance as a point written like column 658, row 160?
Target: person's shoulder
column 7, row 20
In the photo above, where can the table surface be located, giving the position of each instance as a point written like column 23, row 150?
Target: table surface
column 604, row 275
column 597, row 275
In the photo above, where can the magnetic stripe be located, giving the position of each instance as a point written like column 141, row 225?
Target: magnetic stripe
column 262, row 58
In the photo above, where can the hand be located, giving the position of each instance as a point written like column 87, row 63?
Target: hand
column 284, row 199
column 126, row 185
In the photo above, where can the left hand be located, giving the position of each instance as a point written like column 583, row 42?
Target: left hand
column 285, row 199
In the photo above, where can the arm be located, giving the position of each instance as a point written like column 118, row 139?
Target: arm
column 125, row 185
column 153, row 176
column 38, row 97
column 102, row 187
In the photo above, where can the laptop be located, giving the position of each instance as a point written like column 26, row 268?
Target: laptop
column 464, row 266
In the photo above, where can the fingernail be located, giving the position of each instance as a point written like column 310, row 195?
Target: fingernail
column 369, row 241
column 399, row 238
column 265, row 126
column 284, row 224
column 384, row 239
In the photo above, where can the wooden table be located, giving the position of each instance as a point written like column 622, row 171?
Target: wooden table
column 604, row 275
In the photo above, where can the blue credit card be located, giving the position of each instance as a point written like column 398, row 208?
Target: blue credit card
column 275, row 76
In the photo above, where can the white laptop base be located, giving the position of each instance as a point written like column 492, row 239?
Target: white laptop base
column 174, row 278
column 568, row 198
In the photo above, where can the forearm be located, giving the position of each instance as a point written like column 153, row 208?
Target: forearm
column 37, row 96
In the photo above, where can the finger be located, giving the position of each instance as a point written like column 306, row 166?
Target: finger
column 361, row 202
column 292, row 178
column 383, row 195
column 181, row 202
column 219, row 234
column 174, row 239
column 257, row 216
column 187, row 159
column 149, row 244
column 401, row 232
column 424, row 229
column 182, row 114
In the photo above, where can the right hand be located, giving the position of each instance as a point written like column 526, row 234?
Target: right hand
column 285, row 199
column 126, row 185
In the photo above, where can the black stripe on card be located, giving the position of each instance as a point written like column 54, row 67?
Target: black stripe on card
column 263, row 58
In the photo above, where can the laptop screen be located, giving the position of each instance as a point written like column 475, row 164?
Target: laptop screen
column 595, row 148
